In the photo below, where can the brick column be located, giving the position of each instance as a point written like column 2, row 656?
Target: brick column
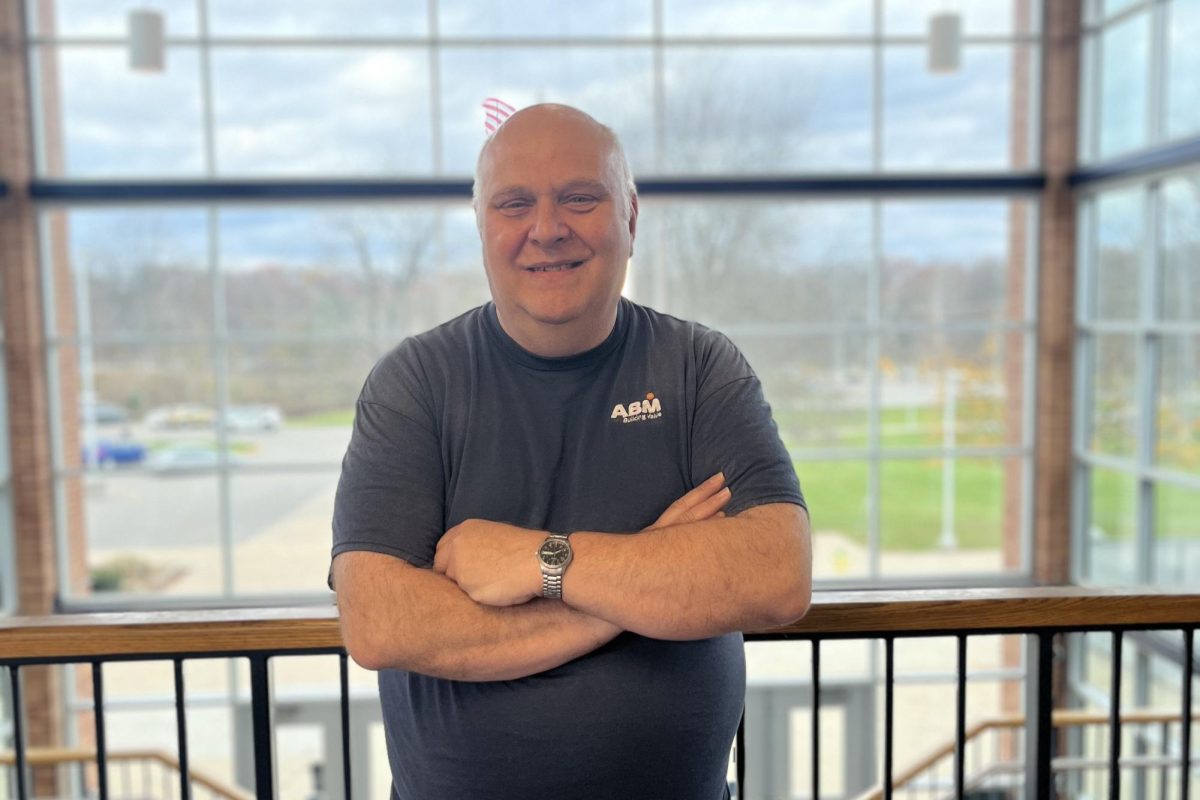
column 1056, row 293
column 28, row 417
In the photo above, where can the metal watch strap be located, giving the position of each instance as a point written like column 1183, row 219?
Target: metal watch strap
column 552, row 586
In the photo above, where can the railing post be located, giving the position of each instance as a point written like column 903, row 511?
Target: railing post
column 1039, row 716
column 14, row 675
column 185, row 770
column 1186, row 718
column 98, row 717
column 260, row 710
column 344, row 686
column 816, row 719
column 889, row 702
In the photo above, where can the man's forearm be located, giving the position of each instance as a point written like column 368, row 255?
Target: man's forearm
column 698, row 579
column 395, row 615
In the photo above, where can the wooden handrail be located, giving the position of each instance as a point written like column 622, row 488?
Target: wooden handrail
column 1060, row 718
column 833, row 614
column 54, row 756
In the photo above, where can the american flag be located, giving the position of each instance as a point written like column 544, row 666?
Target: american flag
column 495, row 111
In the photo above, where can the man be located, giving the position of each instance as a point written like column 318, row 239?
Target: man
column 514, row 662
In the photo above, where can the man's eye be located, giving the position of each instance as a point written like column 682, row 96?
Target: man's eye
column 514, row 205
column 581, row 200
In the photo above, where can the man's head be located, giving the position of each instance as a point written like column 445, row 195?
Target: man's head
column 557, row 214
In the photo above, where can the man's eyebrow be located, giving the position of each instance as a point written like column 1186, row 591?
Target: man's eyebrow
column 511, row 191
column 585, row 184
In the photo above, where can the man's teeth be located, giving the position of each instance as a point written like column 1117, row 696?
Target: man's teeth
column 556, row 267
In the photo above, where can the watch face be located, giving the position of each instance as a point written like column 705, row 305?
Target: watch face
column 554, row 552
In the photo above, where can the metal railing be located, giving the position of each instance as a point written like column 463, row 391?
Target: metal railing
column 149, row 764
column 258, row 635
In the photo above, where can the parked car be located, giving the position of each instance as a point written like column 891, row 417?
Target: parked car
column 185, row 459
column 103, row 414
column 113, row 452
column 253, row 418
column 180, row 415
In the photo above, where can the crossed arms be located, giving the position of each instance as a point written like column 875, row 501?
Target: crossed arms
column 478, row 614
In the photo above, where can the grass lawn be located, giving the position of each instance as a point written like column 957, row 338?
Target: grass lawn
column 911, row 497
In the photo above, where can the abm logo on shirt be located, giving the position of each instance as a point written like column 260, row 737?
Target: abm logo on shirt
column 638, row 410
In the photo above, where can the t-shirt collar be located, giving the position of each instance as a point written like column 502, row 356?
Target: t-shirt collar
column 576, row 361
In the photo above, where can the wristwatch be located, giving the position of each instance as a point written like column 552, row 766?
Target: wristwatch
column 554, row 555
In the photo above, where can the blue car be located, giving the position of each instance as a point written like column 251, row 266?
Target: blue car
column 113, row 452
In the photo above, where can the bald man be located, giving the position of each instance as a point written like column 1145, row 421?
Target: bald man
column 558, row 511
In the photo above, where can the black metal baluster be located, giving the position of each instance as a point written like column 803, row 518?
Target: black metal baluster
column 344, row 669
column 260, row 707
column 1114, row 720
column 1039, row 741
column 98, row 716
column 185, row 772
column 960, row 720
column 14, row 676
column 740, row 752
column 1186, row 718
column 816, row 719
column 889, row 680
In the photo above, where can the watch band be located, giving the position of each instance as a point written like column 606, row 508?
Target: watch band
column 552, row 586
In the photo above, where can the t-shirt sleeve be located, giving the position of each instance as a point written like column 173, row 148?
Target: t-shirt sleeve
column 390, row 497
column 733, row 431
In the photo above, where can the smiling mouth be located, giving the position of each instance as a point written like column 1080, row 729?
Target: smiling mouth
column 560, row 267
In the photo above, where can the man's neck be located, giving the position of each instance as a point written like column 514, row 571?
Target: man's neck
column 559, row 341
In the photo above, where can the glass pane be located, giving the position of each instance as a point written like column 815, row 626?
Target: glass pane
column 1124, row 85
column 754, row 262
column 106, row 17
column 1181, row 249
column 99, row 118
column 816, row 384
column 137, row 406
column 463, row 283
column 314, row 18
column 544, row 18
column 837, row 492
column 330, row 271
column 1183, row 75
column 1179, row 403
column 1114, row 416
column 130, row 272
column 1176, row 535
column 766, row 110
column 294, row 402
column 1119, row 257
column 974, row 118
column 1111, row 7
column 811, row 18
column 327, row 111
column 614, row 83
column 1110, row 538
column 979, row 17
column 961, row 260
column 282, row 519
column 951, row 389
column 945, row 516
column 153, row 532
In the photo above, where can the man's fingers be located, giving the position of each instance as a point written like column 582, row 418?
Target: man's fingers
column 698, row 504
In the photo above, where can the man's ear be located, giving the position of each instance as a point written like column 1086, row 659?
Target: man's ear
column 633, row 214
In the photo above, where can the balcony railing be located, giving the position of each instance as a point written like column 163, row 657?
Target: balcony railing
column 258, row 635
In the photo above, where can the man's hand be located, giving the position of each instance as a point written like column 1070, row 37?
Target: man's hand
column 705, row 501
column 496, row 564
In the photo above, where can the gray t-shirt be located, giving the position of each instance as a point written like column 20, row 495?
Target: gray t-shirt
column 460, row 423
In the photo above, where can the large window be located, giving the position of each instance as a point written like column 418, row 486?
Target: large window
column 1141, row 75
column 1138, row 439
column 205, row 359
column 373, row 89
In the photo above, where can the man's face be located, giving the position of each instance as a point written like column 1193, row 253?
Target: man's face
column 556, row 232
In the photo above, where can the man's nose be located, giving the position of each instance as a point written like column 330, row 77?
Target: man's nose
column 549, row 228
